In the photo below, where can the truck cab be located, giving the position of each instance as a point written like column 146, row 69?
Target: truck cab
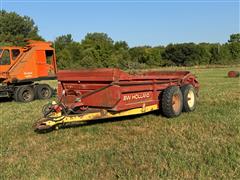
column 21, row 67
column 8, row 56
column 36, row 61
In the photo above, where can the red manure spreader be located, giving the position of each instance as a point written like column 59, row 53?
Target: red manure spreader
column 85, row 95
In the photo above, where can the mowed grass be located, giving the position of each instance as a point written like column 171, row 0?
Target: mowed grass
column 204, row 144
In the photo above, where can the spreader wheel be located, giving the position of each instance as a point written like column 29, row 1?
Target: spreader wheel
column 172, row 102
column 24, row 94
column 189, row 98
column 44, row 91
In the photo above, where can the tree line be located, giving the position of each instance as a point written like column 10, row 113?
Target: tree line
column 99, row 50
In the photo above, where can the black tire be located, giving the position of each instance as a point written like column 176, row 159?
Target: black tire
column 172, row 102
column 189, row 98
column 25, row 94
column 43, row 91
column 15, row 94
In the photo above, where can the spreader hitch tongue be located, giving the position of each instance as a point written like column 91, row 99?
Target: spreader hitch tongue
column 41, row 125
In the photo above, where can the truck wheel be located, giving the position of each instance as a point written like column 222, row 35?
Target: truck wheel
column 25, row 94
column 189, row 98
column 15, row 95
column 172, row 102
column 44, row 91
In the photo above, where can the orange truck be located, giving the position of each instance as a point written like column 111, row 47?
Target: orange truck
column 22, row 67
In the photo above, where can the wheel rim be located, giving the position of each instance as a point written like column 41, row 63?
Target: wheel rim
column 45, row 92
column 190, row 98
column 176, row 102
column 27, row 95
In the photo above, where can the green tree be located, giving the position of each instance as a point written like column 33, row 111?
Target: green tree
column 234, row 38
column 187, row 54
column 146, row 56
column 234, row 50
column 120, row 56
column 68, row 52
column 220, row 54
column 234, row 47
column 14, row 29
column 121, row 45
column 62, row 41
column 99, row 50
column 99, row 47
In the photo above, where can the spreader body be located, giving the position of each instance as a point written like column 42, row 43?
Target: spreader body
column 116, row 90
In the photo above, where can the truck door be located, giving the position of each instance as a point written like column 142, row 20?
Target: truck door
column 50, row 62
column 45, row 63
column 41, row 63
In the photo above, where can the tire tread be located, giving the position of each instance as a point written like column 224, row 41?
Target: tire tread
column 167, row 108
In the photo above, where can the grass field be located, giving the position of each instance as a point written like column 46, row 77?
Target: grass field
column 204, row 144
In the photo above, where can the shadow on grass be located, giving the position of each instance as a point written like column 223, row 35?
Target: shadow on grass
column 5, row 99
column 98, row 121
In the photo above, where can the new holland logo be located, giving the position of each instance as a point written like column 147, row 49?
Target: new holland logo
column 136, row 96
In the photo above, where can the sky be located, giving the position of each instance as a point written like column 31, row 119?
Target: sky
column 138, row 22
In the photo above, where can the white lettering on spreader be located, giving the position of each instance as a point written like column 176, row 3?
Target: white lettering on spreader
column 136, row 96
